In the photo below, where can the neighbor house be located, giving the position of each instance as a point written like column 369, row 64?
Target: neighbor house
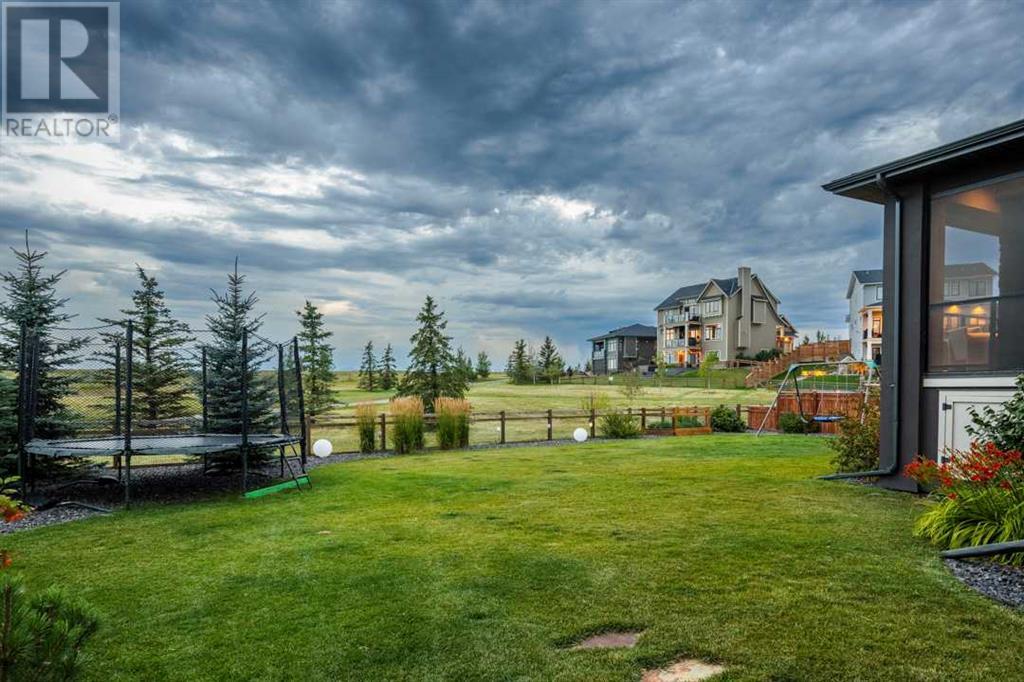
column 953, row 289
column 623, row 349
column 735, row 317
column 864, row 294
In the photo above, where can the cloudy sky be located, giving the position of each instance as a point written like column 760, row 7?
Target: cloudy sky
column 540, row 168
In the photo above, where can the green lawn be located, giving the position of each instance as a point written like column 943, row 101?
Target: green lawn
column 482, row 565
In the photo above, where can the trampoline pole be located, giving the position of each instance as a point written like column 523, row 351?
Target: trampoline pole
column 128, row 414
column 303, row 445
column 33, row 397
column 22, row 414
column 282, row 400
column 206, row 410
column 245, row 410
column 117, row 401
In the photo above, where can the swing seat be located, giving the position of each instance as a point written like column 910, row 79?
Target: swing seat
column 829, row 418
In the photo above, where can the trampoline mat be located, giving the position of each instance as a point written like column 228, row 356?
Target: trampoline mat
column 186, row 444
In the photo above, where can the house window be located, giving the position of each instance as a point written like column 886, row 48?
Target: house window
column 760, row 312
column 613, row 346
column 977, row 237
column 878, row 294
column 613, row 363
column 711, row 332
column 713, row 307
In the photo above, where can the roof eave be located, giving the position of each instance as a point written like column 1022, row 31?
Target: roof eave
column 861, row 185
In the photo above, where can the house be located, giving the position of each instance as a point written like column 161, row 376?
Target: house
column 623, row 349
column 709, row 316
column 953, row 289
column 864, row 294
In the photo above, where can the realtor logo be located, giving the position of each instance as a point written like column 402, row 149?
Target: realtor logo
column 61, row 70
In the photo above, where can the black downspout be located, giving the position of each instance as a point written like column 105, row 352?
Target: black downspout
column 984, row 550
column 894, row 351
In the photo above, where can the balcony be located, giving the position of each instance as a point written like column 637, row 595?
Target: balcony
column 682, row 343
column 681, row 318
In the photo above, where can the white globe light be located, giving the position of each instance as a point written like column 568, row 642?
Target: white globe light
column 322, row 448
column 579, row 435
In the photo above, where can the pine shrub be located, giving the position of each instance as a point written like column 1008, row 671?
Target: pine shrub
column 618, row 424
column 726, row 420
column 452, row 422
column 366, row 423
column 856, row 446
column 407, row 414
column 790, row 422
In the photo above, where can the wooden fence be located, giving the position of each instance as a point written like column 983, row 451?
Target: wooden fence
column 814, row 404
column 502, row 427
column 822, row 351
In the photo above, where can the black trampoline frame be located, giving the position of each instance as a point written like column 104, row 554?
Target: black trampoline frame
column 122, row 444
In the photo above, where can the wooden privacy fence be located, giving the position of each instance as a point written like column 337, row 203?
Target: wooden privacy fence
column 815, row 404
column 822, row 351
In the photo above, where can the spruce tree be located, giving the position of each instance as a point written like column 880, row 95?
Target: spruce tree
column 317, row 360
column 432, row 370
column 518, row 368
column 465, row 365
column 549, row 362
column 160, row 369
column 483, row 365
column 388, row 378
column 226, row 369
column 32, row 302
column 368, row 369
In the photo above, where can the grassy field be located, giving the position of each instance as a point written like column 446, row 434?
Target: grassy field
column 484, row 565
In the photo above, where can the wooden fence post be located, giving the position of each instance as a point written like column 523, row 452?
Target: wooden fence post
column 383, row 431
column 593, row 422
column 550, row 426
column 502, row 439
column 643, row 418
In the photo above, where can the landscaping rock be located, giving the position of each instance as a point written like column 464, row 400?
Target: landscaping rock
column 610, row 640
column 687, row 670
column 1005, row 584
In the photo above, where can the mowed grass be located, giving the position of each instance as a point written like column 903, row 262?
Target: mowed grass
column 483, row 565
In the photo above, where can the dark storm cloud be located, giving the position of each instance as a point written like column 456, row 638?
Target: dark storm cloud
column 542, row 167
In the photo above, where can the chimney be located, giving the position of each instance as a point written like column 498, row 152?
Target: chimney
column 746, row 312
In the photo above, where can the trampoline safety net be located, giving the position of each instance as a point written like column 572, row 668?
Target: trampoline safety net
column 137, row 388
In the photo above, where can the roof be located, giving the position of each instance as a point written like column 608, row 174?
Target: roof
column 642, row 330
column 967, row 270
column 729, row 286
column 790, row 329
column 868, row 276
column 861, row 185
column 689, row 291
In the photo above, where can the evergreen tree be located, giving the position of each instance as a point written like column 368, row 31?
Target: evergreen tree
column 160, row 371
column 465, row 365
column 226, row 369
column 483, row 365
column 368, row 369
column 32, row 301
column 519, row 368
column 549, row 362
column 432, row 369
column 317, row 358
column 388, row 378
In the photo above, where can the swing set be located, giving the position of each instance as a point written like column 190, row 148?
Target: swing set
column 830, row 386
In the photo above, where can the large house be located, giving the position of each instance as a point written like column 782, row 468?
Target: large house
column 623, row 350
column 735, row 317
column 953, row 283
column 865, row 319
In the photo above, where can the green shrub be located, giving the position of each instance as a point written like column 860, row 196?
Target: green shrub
column 618, row 424
column 726, row 420
column 856, row 446
column 790, row 422
column 1004, row 427
column 43, row 637
column 452, row 422
column 975, row 516
column 687, row 422
column 366, row 422
column 660, row 424
column 408, row 417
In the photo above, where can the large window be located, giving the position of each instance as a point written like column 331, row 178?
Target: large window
column 712, row 307
column 976, row 286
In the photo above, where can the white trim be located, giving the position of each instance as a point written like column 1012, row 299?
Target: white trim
column 970, row 382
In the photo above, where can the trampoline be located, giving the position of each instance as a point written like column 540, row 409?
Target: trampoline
column 181, row 444
column 230, row 402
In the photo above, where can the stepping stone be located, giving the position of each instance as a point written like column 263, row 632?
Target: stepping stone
column 686, row 670
column 610, row 640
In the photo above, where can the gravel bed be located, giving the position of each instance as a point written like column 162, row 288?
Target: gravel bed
column 1005, row 584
